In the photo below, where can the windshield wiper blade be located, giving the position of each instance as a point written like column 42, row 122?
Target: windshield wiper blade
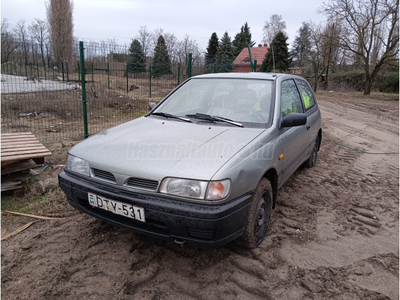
column 167, row 115
column 214, row 118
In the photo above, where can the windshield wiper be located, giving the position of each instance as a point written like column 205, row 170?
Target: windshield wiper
column 214, row 118
column 167, row 115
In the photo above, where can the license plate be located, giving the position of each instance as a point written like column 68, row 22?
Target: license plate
column 116, row 207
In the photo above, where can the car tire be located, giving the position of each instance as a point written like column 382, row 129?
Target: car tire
column 312, row 160
column 258, row 217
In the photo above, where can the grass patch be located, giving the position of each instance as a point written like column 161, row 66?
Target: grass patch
column 360, row 95
column 15, row 204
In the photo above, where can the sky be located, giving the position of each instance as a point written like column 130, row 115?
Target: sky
column 96, row 20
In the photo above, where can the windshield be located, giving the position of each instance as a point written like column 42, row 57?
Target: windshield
column 240, row 100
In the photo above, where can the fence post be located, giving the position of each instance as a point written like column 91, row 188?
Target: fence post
column 179, row 72
column 189, row 71
column 150, row 78
column 67, row 72
column 108, row 73
column 127, row 82
column 62, row 70
column 85, row 122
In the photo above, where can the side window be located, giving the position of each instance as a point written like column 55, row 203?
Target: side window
column 306, row 94
column 290, row 99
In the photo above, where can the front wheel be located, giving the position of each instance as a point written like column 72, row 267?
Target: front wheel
column 259, row 215
column 312, row 160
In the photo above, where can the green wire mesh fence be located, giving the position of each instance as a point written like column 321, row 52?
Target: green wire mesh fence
column 45, row 97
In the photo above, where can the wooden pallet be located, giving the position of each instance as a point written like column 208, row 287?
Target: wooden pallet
column 20, row 152
column 19, row 146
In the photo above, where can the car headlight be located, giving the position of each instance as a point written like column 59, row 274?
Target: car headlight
column 77, row 165
column 213, row 190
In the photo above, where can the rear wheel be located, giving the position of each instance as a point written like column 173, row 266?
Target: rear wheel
column 259, row 215
column 312, row 160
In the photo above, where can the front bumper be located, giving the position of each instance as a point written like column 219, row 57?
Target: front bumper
column 198, row 225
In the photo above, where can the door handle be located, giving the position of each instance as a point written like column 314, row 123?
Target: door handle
column 308, row 127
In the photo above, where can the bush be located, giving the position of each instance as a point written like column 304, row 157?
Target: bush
column 387, row 82
column 354, row 80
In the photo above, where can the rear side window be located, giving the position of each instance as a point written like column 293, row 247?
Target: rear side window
column 306, row 94
column 290, row 100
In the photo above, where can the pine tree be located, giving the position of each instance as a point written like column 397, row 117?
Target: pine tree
column 225, row 54
column 278, row 53
column 212, row 50
column 242, row 40
column 301, row 46
column 161, row 61
column 136, row 60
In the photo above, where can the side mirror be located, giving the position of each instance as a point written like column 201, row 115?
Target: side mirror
column 294, row 119
column 152, row 105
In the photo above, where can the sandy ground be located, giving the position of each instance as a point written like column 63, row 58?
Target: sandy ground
column 334, row 234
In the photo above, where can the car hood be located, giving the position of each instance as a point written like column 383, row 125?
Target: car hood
column 154, row 148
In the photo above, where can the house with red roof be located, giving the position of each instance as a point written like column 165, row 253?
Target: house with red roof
column 242, row 61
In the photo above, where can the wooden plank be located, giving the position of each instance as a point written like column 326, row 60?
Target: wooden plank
column 31, row 216
column 11, row 185
column 36, row 149
column 15, row 232
column 23, row 165
column 16, row 133
column 23, row 152
column 19, row 144
column 4, row 147
column 20, row 149
column 15, row 176
column 13, row 140
column 25, row 156
column 15, row 137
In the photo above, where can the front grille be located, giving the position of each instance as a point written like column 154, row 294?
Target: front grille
column 103, row 175
column 142, row 183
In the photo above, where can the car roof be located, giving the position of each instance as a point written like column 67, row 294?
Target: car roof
column 250, row 75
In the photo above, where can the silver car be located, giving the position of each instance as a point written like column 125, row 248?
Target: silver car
column 204, row 166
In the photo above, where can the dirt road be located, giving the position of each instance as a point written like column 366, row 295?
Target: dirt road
column 334, row 234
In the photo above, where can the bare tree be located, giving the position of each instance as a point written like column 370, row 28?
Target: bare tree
column 39, row 31
column 22, row 36
column 145, row 38
column 271, row 28
column 186, row 46
column 371, row 32
column 171, row 41
column 112, row 44
column 8, row 42
column 59, row 15
column 318, row 52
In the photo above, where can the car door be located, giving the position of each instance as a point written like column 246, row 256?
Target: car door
column 294, row 140
column 311, row 109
